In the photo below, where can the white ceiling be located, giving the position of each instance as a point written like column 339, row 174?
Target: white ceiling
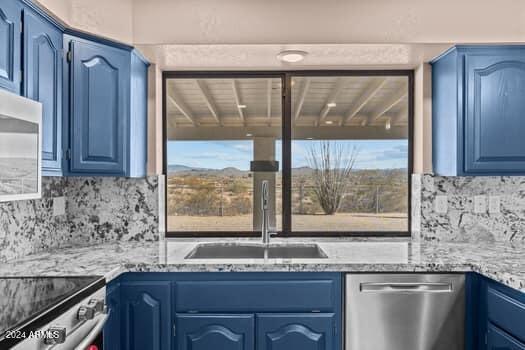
column 264, row 57
column 316, row 102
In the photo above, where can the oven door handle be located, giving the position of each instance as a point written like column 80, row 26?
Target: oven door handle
column 93, row 334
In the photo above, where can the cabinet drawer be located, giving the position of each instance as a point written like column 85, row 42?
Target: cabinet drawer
column 256, row 295
column 506, row 312
column 499, row 340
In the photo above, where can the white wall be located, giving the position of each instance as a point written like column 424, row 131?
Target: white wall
column 296, row 21
column 422, row 143
column 327, row 21
column 109, row 18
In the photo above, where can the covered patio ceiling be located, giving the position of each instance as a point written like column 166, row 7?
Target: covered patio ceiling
column 350, row 107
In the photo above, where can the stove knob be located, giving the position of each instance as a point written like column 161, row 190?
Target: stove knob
column 97, row 304
column 85, row 313
column 55, row 335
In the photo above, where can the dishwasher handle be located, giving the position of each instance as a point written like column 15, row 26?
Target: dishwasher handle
column 405, row 287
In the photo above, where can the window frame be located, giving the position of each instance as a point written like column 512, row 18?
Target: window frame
column 286, row 139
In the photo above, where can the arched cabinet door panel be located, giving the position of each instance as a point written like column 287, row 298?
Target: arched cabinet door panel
column 146, row 316
column 43, row 83
column 315, row 331
column 495, row 114
column 100, row 93
column 214, row 332
column 10, row 58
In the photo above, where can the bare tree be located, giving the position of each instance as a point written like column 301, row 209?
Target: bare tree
column 331, row 164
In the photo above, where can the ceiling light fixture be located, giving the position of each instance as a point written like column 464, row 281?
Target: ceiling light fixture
column 249, row 135
column 292, row 56
column 388, row 124
column 329, row 122
column 241, row 106
column 331, row 104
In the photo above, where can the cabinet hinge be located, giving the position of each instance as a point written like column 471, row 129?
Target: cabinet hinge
column 69, row 56
column 67, row 154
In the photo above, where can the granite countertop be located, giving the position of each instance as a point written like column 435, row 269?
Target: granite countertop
column 503, row 262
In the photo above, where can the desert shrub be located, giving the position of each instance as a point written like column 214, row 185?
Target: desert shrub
column 331, row 164
column 203, row 201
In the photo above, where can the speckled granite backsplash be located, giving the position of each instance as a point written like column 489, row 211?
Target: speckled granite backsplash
column 98, row 209
column 461, row 223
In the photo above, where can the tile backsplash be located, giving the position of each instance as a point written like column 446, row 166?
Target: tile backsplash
column 97, row 209
column 461, row 209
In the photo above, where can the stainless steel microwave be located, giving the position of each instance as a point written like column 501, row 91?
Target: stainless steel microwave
column 20, row 147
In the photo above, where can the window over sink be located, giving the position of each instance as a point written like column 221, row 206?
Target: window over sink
column 335, row 148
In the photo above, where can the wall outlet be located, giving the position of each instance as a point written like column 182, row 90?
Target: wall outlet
column 59, row 206
column 480, row 204
column 441, row 204
column 494, row 204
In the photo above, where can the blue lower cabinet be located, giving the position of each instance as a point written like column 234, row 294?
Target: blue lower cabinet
column 146, row 315
column 215, row 332
column 225, row 311
column 112, row 327
column 313, row 331
column 499, row 340
column 501, row 317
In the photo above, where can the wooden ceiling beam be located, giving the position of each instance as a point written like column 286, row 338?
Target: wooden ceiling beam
column 302, row 97
column 208, row 100
column 236, row 96
column 401, row 115
column 177, row 102
column 332, row 97
column 363, row 99
column 388, row 103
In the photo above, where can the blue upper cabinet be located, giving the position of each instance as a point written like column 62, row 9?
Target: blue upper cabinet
column 94, row 120
column 107, row 124
column 479, row 111
column 215, row 332
column 10, row 52
column 99, row 85
column 43, row 57
column 146, row 316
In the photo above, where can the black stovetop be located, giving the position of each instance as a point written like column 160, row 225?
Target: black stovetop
column 23, row 299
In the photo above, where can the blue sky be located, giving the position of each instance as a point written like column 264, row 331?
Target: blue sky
column 383, row 154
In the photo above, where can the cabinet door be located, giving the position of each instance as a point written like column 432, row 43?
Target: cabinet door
column 99, row 108
column 10, row 29
column 146, row 316
column 499, row 340
column 314, row 331
column 112, row 327
column 495, row 114
column 215, row 332
column 43, row 83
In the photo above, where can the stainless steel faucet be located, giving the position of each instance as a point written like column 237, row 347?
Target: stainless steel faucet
column 265, row 195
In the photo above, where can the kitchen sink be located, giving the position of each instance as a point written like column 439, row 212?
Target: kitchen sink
column 256, row 251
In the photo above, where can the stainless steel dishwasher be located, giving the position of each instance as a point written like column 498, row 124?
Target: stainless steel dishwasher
column 405, row 311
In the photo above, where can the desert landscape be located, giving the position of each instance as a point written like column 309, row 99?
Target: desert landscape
column 18, row 175
column 375, row 200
